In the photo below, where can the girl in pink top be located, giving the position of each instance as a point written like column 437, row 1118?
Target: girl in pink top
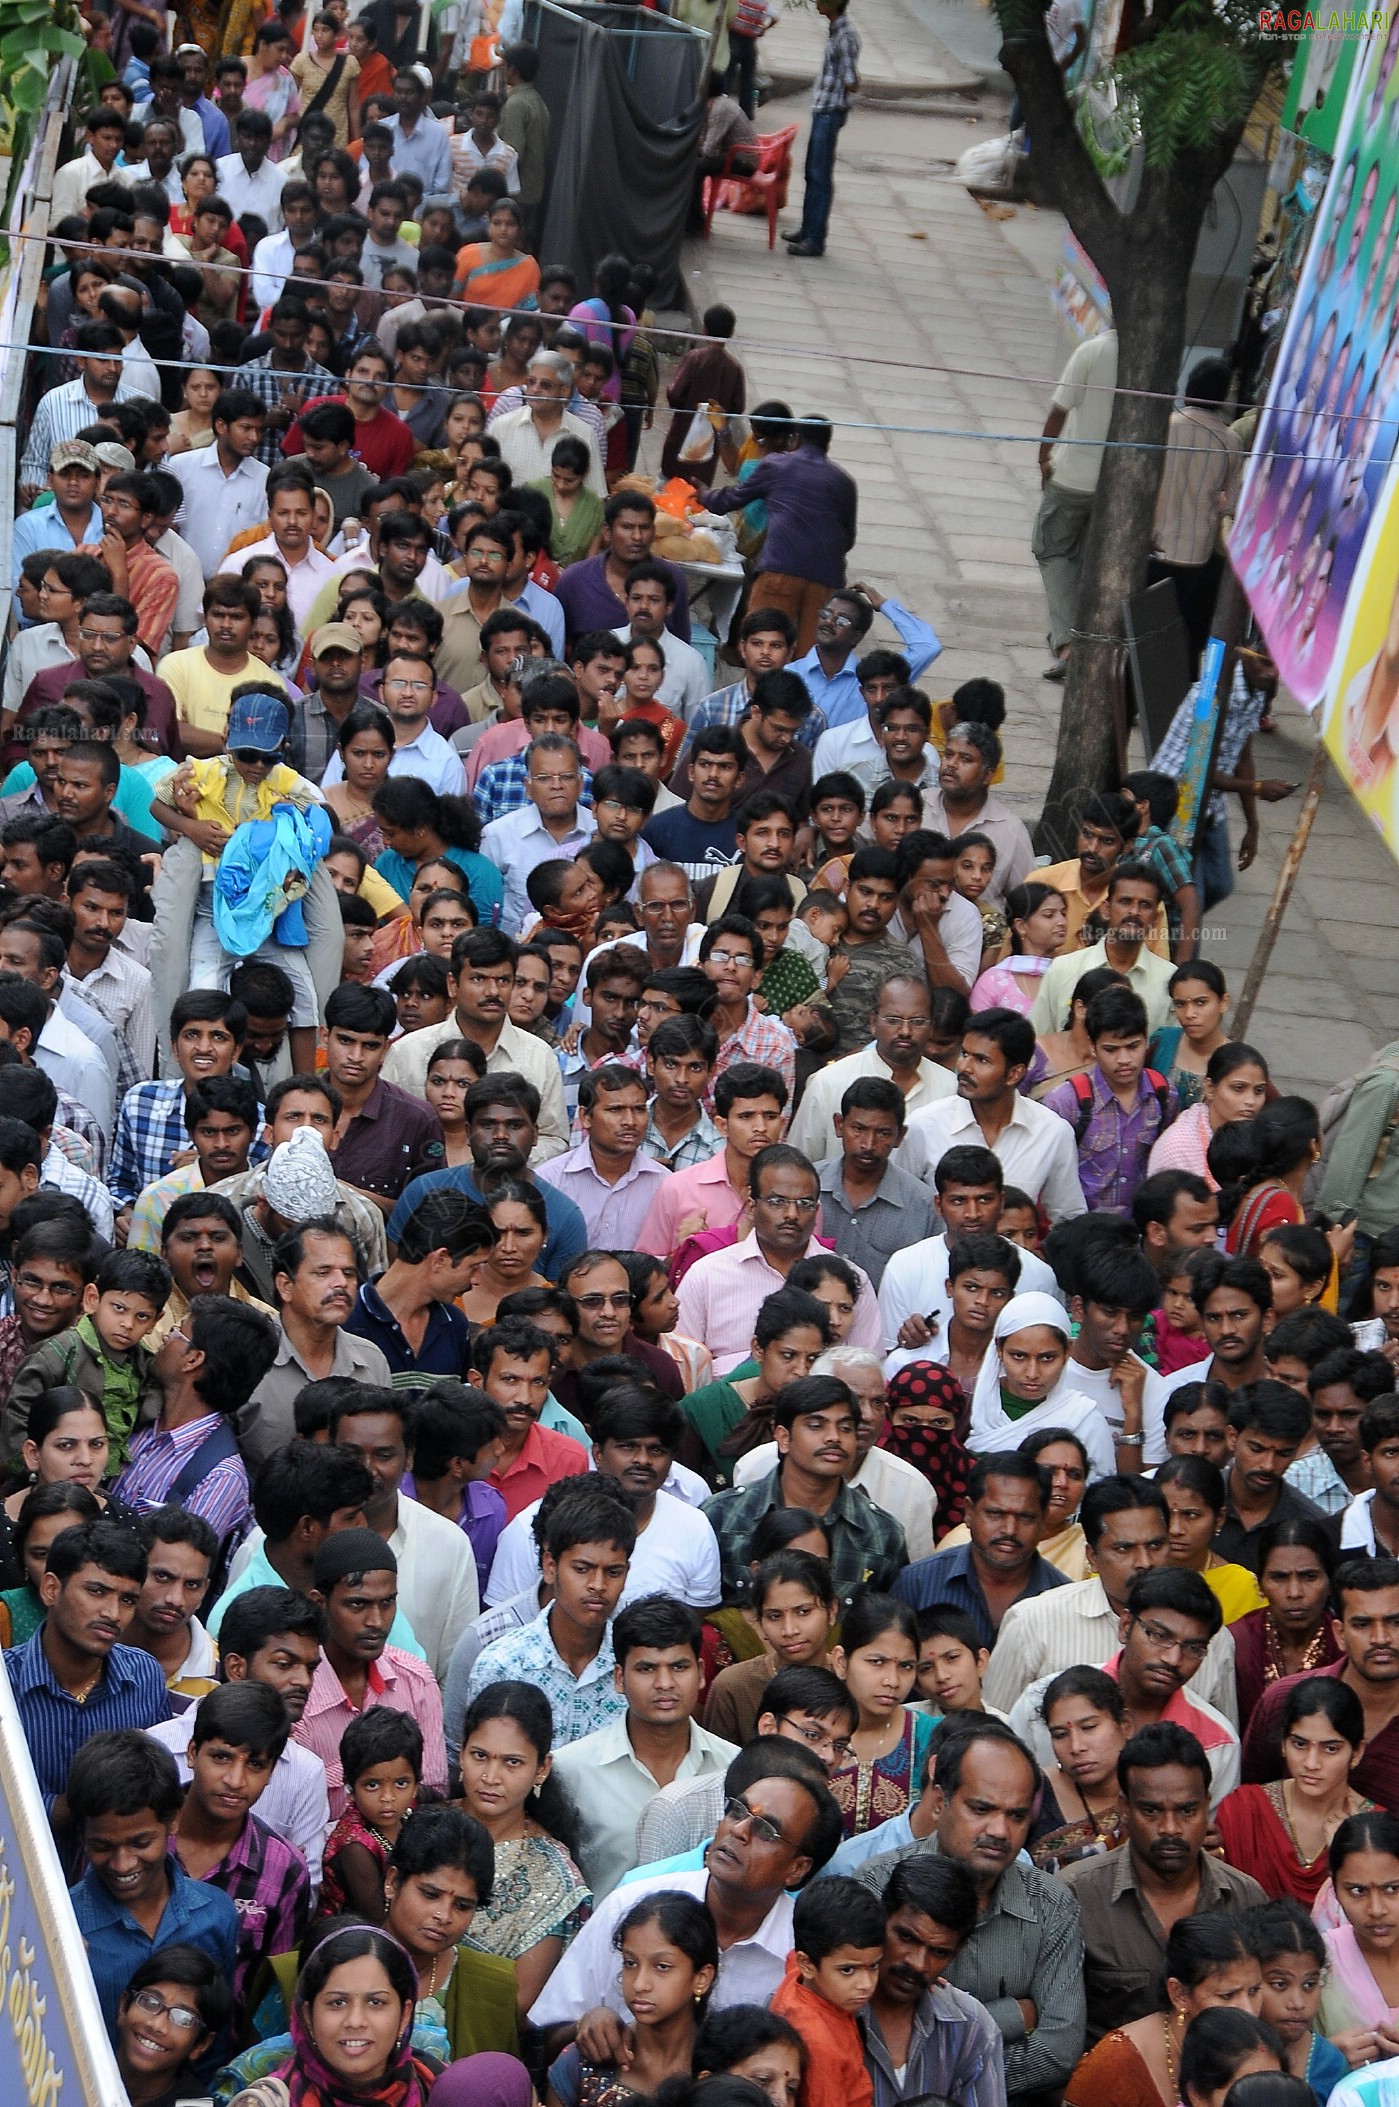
column 606, row 319
column 1236, row 1087
column 1038, row 916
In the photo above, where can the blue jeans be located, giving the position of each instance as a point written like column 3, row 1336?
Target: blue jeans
column 820, row 177
column 1214, row 864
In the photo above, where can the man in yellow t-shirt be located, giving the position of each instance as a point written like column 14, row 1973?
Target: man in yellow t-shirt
column 202, row 678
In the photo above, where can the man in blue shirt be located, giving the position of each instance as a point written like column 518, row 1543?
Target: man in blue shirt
column 193, row 94
column 124, row 1794
column 74, row 519
column 1006, row 1499
column 410, row 1312
column 421, row 143
column 502, row 1128
column 72, row 1680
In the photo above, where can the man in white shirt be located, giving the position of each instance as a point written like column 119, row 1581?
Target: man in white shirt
column 225, row 484
column 71, row 1061
column 1116, row 1291
column 106, row 135
column 273, row 254
column 480, row 982
column 122, row 308
column 676, row 1553
column 613, row 1773
column 1126, row 1526
column 437, row 1583
column 933, row 917
column 407, row 694
column 774, row 1781
column 527, row 437
column 902, row 1024
column 648, row 599
column 1035, row 1147
column 551, row 825
column 292, row 517
column 248, row 181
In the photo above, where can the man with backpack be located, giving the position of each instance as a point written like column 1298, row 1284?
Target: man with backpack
column 207, row 1368
column 1119, row 1108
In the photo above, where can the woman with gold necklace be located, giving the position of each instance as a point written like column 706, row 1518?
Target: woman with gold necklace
column 1296, row 1634
column 1281, row 1832
column 1208, row 1964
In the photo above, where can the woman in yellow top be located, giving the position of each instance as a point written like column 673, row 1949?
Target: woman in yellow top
column 1195, row 1499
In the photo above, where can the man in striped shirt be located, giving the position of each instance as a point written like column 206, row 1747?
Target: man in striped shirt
column 64, row 411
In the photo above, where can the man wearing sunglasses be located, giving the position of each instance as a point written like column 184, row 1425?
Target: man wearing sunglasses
column 779, row 1827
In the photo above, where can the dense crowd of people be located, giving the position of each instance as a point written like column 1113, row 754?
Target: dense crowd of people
column 675, row 1424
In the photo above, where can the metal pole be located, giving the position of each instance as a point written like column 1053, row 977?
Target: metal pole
column 1282, row 893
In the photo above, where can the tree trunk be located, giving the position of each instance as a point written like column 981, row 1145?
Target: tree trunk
column 1148, row 304
column 1145, row 258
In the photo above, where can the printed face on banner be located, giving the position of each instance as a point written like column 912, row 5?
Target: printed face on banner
column 1326, row 443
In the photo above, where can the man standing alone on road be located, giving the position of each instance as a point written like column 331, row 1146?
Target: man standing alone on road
column 1081, row 410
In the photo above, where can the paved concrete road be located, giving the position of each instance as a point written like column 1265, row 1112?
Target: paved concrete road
column 927, row 333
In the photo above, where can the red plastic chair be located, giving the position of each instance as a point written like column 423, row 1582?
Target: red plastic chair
column 764, row 190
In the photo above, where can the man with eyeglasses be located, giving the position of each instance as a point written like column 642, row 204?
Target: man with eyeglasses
column 807, row 1706
column 105, row 639
column 722, row 1292
column 1164, row 1873
column 1167, row 1630
column 410, row 684
column 731, row 955
column 601, row 1289
column 551, row 825
column 780, row 1826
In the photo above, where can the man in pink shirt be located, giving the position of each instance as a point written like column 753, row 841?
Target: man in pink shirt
column 722, row 1293
column 750, row 1104
column 514, row 1363
column 356, row 1584
column 550, row 705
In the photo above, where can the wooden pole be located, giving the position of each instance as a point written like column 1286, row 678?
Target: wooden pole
column 1282, row 893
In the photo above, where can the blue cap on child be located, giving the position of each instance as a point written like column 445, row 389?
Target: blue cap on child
column 258, row 722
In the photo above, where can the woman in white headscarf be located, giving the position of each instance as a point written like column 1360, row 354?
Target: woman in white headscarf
column 1022, row 1385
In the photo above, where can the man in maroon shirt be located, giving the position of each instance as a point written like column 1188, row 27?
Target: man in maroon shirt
column 590, row 593
column 599, row 1285
column 382, row 441
column 1367, row 1590
column 106, row 641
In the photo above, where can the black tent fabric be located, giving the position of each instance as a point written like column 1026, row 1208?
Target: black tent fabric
column 624, row 88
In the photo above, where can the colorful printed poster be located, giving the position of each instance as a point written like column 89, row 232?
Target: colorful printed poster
column 1325, row 444
column 1359, row 721
column 1316, row 92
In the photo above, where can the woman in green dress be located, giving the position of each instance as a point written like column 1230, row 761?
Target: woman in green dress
column 539, row 1898
column 1181, row 1051
column 792, row 1330
column 575, row 510
column 45, row 1514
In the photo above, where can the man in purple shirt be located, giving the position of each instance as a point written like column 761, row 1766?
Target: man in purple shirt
column 590, row 593
column 811, row 507
column 106, row 641
column 1119, row 1108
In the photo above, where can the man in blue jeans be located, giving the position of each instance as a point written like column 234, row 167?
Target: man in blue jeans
column 837, row 81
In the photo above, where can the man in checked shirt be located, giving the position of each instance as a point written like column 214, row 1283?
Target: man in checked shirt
column 837, row 81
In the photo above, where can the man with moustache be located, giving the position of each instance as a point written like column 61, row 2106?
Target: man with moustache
column 316, row 1278
column 1023, row 1957
column 1367, row 1591
column 922, row 2036
column 1130, row 1899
